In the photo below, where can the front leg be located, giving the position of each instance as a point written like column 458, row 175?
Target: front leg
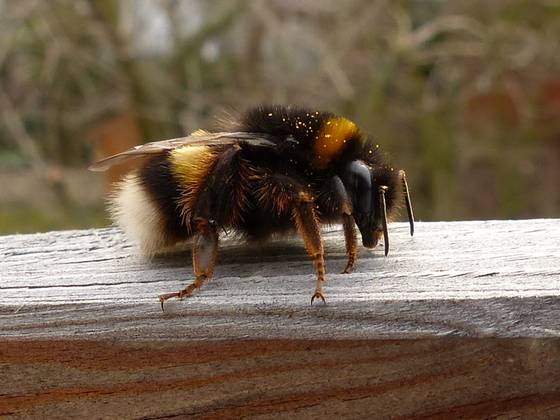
column 345, row 207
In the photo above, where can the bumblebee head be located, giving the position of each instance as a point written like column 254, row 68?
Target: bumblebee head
column 361, row 188
column 372, row 192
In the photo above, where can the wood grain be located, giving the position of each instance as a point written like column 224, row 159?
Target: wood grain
column 429, row 378
column 461, row 321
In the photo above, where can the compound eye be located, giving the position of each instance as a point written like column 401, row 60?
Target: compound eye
column 357, row 179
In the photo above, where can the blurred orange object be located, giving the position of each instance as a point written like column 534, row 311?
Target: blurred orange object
column 113, row 135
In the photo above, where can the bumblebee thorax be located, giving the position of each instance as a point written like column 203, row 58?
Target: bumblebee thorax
column 332, row 138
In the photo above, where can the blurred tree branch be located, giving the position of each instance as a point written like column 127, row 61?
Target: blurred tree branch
column 18, row 133
column 453, row 90
column 106, row 12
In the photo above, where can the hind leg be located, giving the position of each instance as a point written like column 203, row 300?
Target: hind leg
column 204, row 253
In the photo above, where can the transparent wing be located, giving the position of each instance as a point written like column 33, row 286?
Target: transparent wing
column 198, row 138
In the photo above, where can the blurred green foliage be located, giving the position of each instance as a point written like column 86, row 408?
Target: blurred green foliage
column 465, row 95
column 33, row 219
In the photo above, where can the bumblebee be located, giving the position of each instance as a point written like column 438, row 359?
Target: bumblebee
column 275, row 170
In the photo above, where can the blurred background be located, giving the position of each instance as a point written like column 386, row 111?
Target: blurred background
column 465, row 94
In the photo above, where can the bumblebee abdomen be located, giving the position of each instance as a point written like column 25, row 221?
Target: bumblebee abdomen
column 137, row 211
column 148, row 204
column 189, row 167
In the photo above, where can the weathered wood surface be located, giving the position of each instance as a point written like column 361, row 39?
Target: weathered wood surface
column 499, row 278
column 461, row 321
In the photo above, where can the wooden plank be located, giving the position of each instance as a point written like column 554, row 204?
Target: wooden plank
column 499, row 278
column 460, row 321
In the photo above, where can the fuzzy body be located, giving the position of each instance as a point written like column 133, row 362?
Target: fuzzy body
column 246, row 188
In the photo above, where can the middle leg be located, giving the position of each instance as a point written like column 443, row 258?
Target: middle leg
column 287, row 198
column 307, row 224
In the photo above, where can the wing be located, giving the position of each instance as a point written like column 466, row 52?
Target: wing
column 198, row 138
